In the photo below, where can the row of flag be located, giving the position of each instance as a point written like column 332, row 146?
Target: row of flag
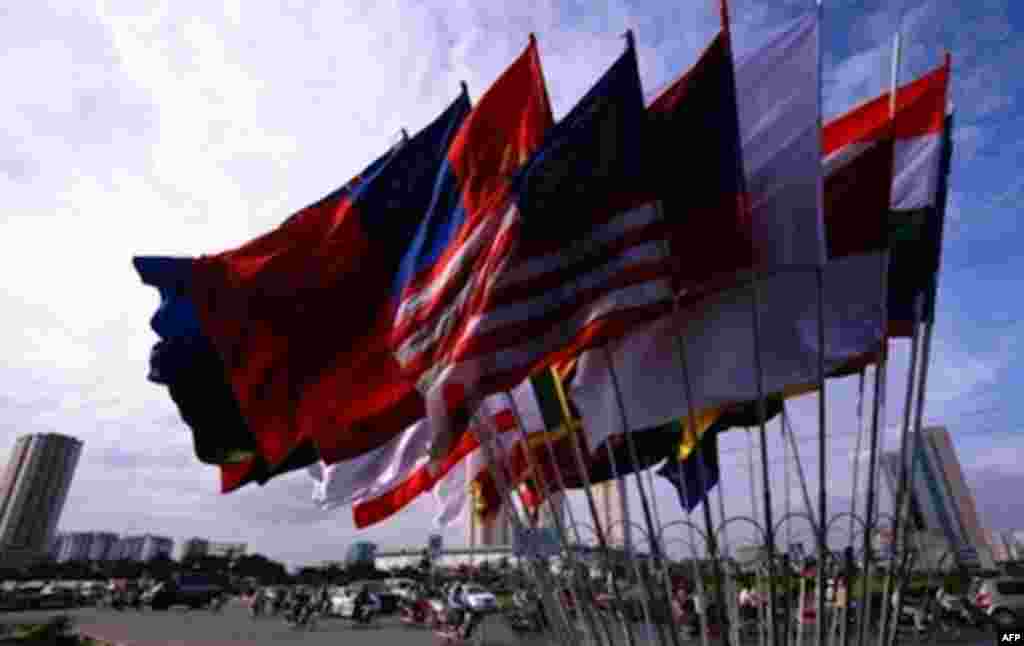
column 499, row 271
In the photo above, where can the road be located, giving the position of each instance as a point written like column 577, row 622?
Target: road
column 234, row 627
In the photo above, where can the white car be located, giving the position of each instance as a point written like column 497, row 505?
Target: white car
column 343, row 601
column 478, row 599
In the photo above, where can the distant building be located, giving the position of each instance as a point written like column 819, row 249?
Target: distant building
column 361, row 553
column 227, row 550
column 612, row 501
column 483, row 533
column 200, row 547
column 32, row 494
column 86, row 546
column 941, row 502
column 142, row 548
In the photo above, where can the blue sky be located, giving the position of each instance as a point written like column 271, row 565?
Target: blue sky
column 190, row 128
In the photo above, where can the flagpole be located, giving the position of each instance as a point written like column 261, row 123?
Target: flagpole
column 822, row 410
column 880, row 385
column 932, row 290
column 635, row 460
column 691, row 406
column 801, row 477
column 698, row 575
column 496, row 468
column 902, row 489
column 557, row 518
column 647, row 601
column 602, row 539
column 844, row 633
column 560, row 481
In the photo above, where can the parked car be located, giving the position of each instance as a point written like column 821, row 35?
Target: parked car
column 55, row 596
column 194, row 591
column 1001, row 598
column 478, row 598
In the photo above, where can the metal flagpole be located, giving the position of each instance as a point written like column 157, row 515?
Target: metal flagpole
column 822, row 532
column 634, row 458
column 845, row 613
column 560, row 481
column 755, row 289
column 496, row 468
column 881, row 382
column 926, row 349
column 902, row 489
column 559, row 526
column 698, row 574
column 788, row 430
column 728, row 581
column 698, row 454
column 892, row 119
column 647, row 600
column 602, row 539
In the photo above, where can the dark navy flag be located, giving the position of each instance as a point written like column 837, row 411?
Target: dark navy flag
column 699, row 471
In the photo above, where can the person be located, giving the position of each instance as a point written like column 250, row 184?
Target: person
column 361, row 602
column 913, row 607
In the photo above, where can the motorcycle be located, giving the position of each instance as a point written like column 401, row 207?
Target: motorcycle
column 257, row 606
column 417, row 611
column 457, row 626
column 526, row 614
column 303, row 614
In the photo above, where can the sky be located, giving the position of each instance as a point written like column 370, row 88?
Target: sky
column 191, row 128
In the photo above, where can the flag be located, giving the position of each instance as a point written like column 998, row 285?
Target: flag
column 380, row 505
column 298, row 314
column 694, row 460
column 712, row 234
column 924, row 149
column 468, row 215
column 185, row 360
column 695, row 474
column 568, row 264
column 894, row 164
column 234, row 475
column 186, row 363
column 372, row 473
column 719, row 335
column 778, row 95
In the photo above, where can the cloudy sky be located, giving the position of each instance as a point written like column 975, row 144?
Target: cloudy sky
column 132, row 129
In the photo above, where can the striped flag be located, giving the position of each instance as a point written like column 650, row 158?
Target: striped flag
column 577, row 258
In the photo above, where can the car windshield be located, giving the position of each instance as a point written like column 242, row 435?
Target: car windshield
column 474, row 589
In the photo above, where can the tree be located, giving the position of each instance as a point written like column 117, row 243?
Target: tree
column 262, row 569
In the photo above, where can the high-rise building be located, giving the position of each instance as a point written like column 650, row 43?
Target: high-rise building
column 493, row 531
column 32, row 494
column 142, row 548
column 940, row 502
column 361, row 553
column 612, row 501
column 199, row 547
column 556, row 502
column 86, row 546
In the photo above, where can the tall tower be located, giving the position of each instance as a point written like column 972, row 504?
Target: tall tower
column 612, row 500
column 940, row 497
column 32, row 494
column 495, row 531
